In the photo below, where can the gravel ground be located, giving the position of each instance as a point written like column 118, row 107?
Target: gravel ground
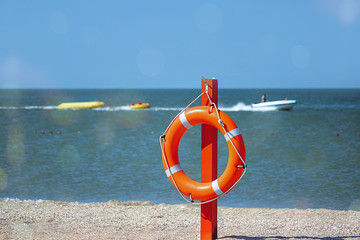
column 145, row 220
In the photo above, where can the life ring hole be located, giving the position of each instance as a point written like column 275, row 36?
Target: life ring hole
column 223, row 153
column 190, row 153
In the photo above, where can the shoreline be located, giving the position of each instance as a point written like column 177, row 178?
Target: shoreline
column 45, row 219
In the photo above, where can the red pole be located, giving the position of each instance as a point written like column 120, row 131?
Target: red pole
column 208, row 224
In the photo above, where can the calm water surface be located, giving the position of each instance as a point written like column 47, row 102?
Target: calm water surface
column 308, row 157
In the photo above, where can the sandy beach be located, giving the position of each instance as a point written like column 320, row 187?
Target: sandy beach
column 145, row 220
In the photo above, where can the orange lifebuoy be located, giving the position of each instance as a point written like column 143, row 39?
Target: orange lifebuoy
column 203, row 191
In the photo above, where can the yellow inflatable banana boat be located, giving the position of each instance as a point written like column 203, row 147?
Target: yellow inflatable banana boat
column 80, row 105
column 139, row 105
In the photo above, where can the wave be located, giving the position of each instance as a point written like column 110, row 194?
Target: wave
column 236, row 108
column 29, row 107
column 113, row 108
column 19, row 200
column 127, row 108
column 240, row 106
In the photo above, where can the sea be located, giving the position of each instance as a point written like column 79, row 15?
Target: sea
column 308, row 157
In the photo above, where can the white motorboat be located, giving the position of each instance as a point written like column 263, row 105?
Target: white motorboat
column 278, row 105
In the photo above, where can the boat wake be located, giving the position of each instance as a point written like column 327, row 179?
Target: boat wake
column 236, row 108
column 240, row 106
column 28, row 107
column 113, row 108
column 127, row 108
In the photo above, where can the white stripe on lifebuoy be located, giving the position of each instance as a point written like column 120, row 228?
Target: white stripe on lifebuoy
column 216, row 187
column 173, row 170
column 233, row 133
column 184, row 121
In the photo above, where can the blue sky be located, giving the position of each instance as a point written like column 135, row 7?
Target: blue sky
column 171, row 44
